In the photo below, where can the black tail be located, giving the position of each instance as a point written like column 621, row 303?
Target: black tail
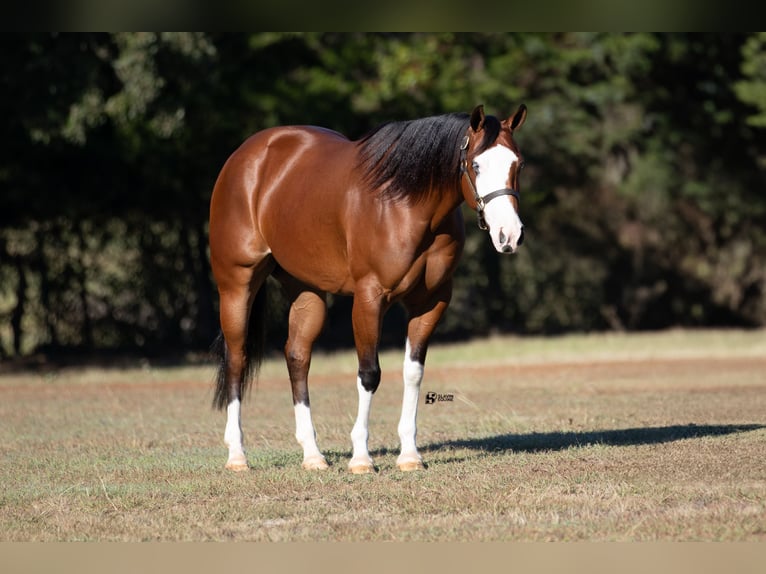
column 254, row 350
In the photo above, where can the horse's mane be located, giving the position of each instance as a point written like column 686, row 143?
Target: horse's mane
column 412, row 159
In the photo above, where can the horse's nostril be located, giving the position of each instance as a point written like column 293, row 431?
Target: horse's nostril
column 501, row 237
column 521, row 238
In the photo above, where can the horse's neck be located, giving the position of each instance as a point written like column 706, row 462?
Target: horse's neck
column 442, row 205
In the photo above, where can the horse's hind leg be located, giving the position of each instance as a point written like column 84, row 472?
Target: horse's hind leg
column 307, row 315
column 238, row 287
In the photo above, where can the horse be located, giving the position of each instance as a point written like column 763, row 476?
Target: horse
column 377, row 219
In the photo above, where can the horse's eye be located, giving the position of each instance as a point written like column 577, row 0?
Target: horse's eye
column 522, row 165
column 476, row 168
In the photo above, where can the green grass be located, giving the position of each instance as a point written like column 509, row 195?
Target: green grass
column 607, row 437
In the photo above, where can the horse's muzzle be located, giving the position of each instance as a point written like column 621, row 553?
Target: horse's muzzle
column 506, row 242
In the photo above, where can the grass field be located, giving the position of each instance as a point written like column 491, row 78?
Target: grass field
column 607, row 437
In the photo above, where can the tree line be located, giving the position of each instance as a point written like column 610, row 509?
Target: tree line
column 643, row 199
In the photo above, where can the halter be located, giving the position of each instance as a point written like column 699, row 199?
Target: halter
column 481, row 202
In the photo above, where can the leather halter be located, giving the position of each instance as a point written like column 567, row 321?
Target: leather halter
column 481, row 201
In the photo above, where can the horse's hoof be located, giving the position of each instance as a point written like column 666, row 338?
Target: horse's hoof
column 315, row 463
column 410, row 463
column 361, row 467
column 237, row 466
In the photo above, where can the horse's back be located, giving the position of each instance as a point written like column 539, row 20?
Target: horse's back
column 274, row 153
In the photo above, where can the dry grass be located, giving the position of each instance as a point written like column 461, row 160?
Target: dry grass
column 652, row 437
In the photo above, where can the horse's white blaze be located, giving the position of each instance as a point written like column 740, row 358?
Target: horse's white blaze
column 305, row 434
column 360, row 433
column 412, row 374
column 232, row 435
column 505, row 227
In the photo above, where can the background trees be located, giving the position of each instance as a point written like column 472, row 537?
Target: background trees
column 644, row 198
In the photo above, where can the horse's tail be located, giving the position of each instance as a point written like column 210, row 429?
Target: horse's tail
column 254, row 350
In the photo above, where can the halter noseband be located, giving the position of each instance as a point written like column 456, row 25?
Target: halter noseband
column 481, row 202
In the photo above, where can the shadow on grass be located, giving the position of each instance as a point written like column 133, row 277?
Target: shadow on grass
column 552, row 441
column 530, row 442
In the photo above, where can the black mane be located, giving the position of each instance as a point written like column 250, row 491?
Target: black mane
column 411, row 159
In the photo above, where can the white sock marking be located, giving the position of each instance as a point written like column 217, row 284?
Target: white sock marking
column 232, row 436
column 304, row 431
column 360, row 432
column 412, row 374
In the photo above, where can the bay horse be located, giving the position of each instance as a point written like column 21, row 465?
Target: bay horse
column 378, row 219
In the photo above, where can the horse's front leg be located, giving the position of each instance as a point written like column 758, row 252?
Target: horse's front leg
column 366, row 316
column 423, row 320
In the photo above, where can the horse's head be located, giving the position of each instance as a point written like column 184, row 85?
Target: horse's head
column 490, row 163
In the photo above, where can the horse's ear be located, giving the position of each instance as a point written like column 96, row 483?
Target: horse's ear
column 477, row 118
column 518, row 118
